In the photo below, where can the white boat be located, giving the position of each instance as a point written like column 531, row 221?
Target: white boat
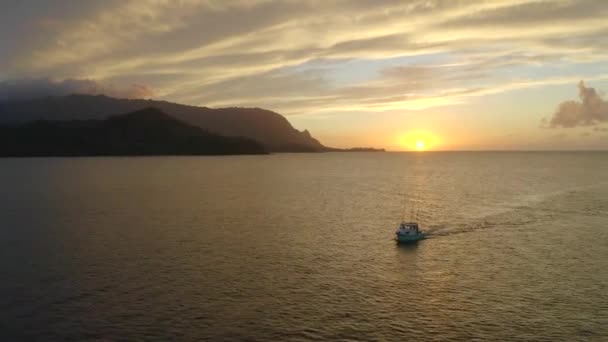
column 409, row 232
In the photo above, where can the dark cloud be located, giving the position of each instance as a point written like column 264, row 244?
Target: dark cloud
column 590, row 110
column 36, row 88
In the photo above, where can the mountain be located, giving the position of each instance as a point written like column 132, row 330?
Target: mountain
column 267, row 127
column 144, row 132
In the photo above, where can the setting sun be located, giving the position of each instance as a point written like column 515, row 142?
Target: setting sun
column 418, row 141
column 420, row 145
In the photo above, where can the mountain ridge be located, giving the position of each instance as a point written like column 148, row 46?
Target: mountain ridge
column 147, row 132
column 269, row 128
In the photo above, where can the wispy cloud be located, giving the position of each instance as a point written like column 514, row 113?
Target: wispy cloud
column 34, row 88
column 110, row 29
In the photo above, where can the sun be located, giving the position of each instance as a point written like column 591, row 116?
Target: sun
column 418, row 141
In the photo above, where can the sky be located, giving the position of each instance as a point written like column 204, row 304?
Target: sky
column 403, row 75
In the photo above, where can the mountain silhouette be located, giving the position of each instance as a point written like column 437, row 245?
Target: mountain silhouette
column 269, row 128
column 144, row 132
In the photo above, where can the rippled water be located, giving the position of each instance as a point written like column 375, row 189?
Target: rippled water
column 298, row 247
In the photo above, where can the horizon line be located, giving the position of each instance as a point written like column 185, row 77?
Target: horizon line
column 515, row 150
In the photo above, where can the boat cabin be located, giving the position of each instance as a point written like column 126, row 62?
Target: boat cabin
column 407, row 228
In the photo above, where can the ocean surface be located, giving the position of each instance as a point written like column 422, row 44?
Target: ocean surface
column 299, row 247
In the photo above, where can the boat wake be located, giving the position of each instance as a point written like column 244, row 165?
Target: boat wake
column 585, row 201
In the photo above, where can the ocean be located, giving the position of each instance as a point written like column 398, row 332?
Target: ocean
column 300, row 247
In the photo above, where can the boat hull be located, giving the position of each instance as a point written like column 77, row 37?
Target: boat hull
column 402, row 238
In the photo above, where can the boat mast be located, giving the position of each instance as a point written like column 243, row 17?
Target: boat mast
column 403, row 205
column 413, row 204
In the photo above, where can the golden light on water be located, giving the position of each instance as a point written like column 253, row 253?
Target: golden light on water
column 418, row 141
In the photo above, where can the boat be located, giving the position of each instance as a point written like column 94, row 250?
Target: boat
column 409, row 232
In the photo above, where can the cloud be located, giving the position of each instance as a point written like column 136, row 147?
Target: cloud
column 306, row 92
column 35, row 88
column 413, row 87
column 110, row 28
column 590, row 110
column 209, row 52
